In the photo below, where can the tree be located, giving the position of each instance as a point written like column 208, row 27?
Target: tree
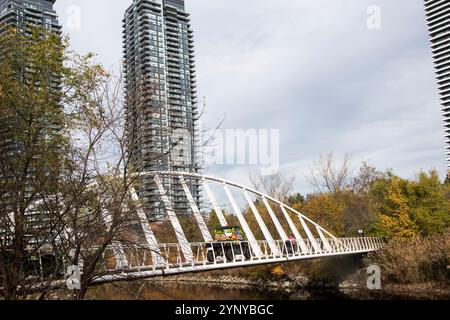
column 408, row 208
column 95, row 199
column 326, row 176
column 394, row 212
column 365, row 179
column 295, row 199
column 357, row 214
column 65, row 162
column 213, row 221
column 429, row 202
column 33, row 143
column 326, row 210
column 278, row 186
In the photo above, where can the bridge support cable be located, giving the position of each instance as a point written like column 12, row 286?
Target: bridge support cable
column 325, row 242
column 181, row 237
column 198, row 216
column 275, row 220
column 311, row 238
column 251, row 238
column 294, row 229
column 150, row 238
column 119, row 253
column 262, row 225
column 216, row 207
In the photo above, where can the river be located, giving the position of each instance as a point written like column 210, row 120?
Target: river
column 150, row 290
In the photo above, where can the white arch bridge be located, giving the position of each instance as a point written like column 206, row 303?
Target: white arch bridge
column 152, row 259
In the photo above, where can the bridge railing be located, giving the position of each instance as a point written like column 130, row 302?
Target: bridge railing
column 142, row 257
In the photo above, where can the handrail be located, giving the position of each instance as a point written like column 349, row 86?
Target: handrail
column 234, row 252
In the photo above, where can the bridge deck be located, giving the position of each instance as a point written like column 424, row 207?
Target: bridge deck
column 138, row 265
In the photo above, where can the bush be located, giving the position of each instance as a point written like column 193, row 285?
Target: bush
column 262, row 272
column 415, row 261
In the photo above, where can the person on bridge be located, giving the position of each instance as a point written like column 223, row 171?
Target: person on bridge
column 291, row 238
column 290, row 244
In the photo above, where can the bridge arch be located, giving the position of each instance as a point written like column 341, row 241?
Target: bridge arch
column 125, row 261
column 185, row 256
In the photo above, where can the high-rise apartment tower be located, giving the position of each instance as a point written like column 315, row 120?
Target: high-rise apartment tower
column 19, row 13
column 438, row 18
column 161, row 108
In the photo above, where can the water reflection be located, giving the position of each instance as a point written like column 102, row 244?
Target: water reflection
column 151, row 290
column 177, row 291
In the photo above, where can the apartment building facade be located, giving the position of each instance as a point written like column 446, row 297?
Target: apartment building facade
column 438, row 18
column 160, row 82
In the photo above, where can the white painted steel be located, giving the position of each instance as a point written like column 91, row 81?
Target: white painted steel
column 242, row 221
column 275, row 220
column 140, row 270
column 294, row 229
column 261, row 224
column 198, row 217
column 181, row 237
column 325, row 242
column 216, row 207
column 363, row 245
column 309, row 234
column 230, row 183
column 183, row 257
column 148, row 232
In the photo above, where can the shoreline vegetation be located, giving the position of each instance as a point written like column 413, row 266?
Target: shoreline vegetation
column 411, row 269
column 291, row 286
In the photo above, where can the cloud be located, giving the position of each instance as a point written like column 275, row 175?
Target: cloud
column 309, row 68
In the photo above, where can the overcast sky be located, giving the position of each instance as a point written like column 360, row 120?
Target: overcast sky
column 311, row 68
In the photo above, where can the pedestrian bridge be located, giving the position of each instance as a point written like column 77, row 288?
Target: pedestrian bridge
column 151, row 259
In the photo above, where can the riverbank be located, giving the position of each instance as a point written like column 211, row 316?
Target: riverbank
column 333, row 278
column 301, row 288
column 201, row 287
column 286, row 285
